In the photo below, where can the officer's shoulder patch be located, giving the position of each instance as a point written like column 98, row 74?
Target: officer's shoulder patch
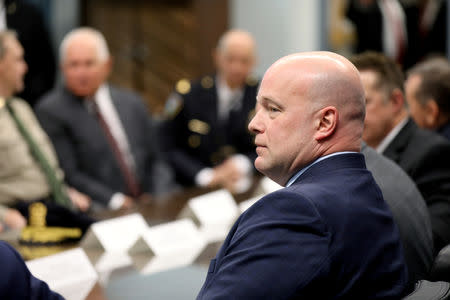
column 183, row 86
column 207, row 82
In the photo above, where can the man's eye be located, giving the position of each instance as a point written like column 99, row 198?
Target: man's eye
column 273, row 109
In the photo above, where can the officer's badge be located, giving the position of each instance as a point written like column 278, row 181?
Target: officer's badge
column 207, row 82
column 198, row 126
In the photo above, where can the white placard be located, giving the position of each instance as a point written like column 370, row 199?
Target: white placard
column 174, row 244
column 69, row 273
column 164, row 263
column 244, row 205
column 115, row 235
column 269, row 186
column 214, row 212
column 172, row 237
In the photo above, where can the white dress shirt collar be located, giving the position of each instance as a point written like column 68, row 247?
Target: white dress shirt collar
column 391, row 136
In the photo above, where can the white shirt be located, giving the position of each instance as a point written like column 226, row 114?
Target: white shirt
column 228, row 98
column 394, row 27
column 391, row 136
column 2, row 16
column 109, row 113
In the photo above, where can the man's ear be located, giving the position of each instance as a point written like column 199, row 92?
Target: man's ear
column 326, row 122
column 431, row 113
column 397, row 99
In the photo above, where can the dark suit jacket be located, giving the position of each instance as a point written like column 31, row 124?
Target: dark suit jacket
column 83, row 149
column 29, row 24
column 445, row 131
column 330, row 235
column 190, row 147
column 409, row 211
column 368, row 21
column 16, row 281
column 425, row 156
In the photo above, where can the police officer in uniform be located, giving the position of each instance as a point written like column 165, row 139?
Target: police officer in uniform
column 208, row 143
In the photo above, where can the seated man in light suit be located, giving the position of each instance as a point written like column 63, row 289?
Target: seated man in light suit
column 206, row 134
column 409, row 211
column 102, row 134
column 16, row 281
column 24, row 177
column 328, row 234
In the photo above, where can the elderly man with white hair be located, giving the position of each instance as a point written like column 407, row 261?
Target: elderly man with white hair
column 102, row 134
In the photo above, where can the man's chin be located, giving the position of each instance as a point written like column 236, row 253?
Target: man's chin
column 259, row 164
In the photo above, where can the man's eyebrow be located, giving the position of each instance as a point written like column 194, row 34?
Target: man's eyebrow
column 268, row 101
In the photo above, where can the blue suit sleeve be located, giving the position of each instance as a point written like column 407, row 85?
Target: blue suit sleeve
column 272, row 250
column 16, row 281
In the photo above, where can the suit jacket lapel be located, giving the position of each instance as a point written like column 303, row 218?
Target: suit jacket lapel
column 400, row 142
column 125, row 118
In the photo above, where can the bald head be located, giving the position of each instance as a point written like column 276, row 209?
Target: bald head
column 235, row 57
column 85, row 35
column 309, row 105
column 85, row 61
column 324, row 79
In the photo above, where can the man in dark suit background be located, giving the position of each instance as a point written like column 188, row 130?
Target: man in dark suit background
column 424, row 155
column 16, row 281
column 102, row 134
column 206, row 134
column 328, row 234
column 26, row 19
column 427, row 91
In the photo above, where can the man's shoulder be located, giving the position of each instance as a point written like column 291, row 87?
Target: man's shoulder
column 126, row 96
column 424, row 143
column 54, row 98
column 281, row 204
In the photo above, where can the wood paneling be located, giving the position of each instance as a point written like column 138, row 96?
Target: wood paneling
column 155, row 43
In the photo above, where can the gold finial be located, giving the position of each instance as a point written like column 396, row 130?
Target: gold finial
column 37, row 214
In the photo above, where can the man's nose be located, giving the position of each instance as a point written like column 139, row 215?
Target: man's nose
column 255, row 124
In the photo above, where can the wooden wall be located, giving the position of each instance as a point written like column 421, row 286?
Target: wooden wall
column 155, row 43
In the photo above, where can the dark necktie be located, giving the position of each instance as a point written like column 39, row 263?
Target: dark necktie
column 128, row 175
column 57, row 189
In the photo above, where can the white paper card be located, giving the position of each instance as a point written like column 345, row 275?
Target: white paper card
column 115, row 235
column 168, row 245
column 164, row 263
column 244, row 205
column 215, row 212
column 173, row 237
column 69, row 273
column 269, row 186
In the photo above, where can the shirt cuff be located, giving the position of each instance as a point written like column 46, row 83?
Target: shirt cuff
column 204, row 177
column 116, row 201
